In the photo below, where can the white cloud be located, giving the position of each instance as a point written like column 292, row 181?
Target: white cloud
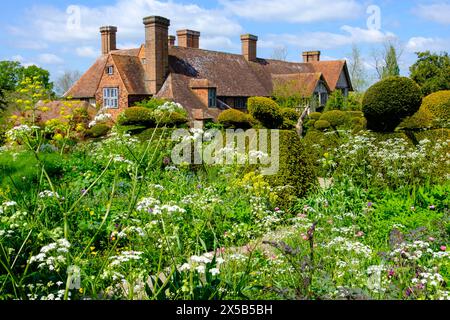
column 127, row 15
column 294, row 11
column 87, row 52
column 437, row 12
column 417, row 44
column 328, row 40
column 23, row 61
column 49, row 58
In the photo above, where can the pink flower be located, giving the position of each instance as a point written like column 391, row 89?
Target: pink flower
column 304, row 237
column 443, row 248
column 277, row 209
column 360, row 234
column 431, row 239
column 302, row 215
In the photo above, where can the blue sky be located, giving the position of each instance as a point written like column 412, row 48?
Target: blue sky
column 64, row 35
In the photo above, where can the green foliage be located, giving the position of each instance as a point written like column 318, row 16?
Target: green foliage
column 391, row 69
column 137, row 116
column 266, row 111
column 296, row 175
column 322, row 125
column 152, row 103
column 290, row 118
column 389, row 101
column 315, row 115
column 422, row 119
column 438, row 104
column 233, row 118
column 431, row 72
column 336, row 101
column 98, row 130
column 288, row 95
column 21, row 171
column 335, row 118
column 171, row 119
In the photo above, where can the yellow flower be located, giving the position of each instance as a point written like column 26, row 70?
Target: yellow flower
column 58, row 137
column 92, row 248
column 91, row 213
column 81, row 290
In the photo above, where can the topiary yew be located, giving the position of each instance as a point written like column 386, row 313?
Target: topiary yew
column 296, row 175
column 266, row 111
column 438, row 104
column 137, row 116
column 389, row 101
column 236, row 119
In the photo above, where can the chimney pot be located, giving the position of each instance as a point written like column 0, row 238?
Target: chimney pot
column 109, row 39
column 311, row 56
column 172, row 41
column 156, row 52
column 188, row 38
column 249, row 46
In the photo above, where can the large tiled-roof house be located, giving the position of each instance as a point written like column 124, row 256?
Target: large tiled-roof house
column 204, row 82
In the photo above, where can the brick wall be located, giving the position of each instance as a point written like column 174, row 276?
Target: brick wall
column 112, row 81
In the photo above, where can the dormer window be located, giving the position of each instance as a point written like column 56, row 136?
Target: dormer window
column 110, row 70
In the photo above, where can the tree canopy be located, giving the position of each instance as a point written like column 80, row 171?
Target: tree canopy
column 431, row 72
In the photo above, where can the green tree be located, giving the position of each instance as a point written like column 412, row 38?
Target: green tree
column 9, row 77
column 12, row 74
column 431, row 71
column 391, row 68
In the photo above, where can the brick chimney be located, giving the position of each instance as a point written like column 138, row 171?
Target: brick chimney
column 156, row 52
column 311, row 56
column 108, row 39
column 172, row 41
column 249, row 42
column 188, row 38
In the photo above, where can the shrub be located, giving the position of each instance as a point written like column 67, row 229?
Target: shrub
column 296, row 175
column 355, row 114
column 98, row 130
column 290, row 118
column 170, row 119
column 336, row 101
column 389, row 101
column 438, row 104
column 266, row 111
column 290, row 114
column 420, row 120
column 137, row 116
column 335, row 118
column 322, row 125
column 152, row 103
column 233, row 118
column 315, row 115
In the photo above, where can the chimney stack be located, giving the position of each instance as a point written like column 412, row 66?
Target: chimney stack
column 188, row 38
column 249, row 50
column 172, row 41
column 156, row 52
column 108, row 39
column 311, row 56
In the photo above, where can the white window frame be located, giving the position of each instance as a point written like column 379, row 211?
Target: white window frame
column 111, row 98
column 110, row 70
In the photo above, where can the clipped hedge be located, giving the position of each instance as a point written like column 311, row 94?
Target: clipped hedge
column 335, row 118
column 266, row 111
column 235, row 119
column 315, row 115
column 422, row 119
column 171, row 119
column 438, row 104
column 322, row 125
column 97, row 131
column 290, row 114
column 296, row 175
column 389, row 101
column 137, row 116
